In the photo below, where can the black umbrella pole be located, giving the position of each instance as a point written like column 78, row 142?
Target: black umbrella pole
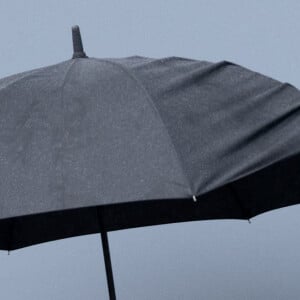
column 108, row 266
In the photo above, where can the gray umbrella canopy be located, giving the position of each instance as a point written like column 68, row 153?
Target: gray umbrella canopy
column 151, row 140
column 91, row 144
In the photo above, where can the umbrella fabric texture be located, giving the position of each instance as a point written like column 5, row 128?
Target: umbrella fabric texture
column 150, row 141
column 94, row 145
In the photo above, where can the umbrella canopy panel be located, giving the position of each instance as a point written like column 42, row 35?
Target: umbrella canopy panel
column 142, row 139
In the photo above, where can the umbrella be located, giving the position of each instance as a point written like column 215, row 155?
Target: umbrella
column 94, row 145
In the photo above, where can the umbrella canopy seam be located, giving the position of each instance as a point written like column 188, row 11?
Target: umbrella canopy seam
column 152, row 104
column 14, row 79
column 65, row 80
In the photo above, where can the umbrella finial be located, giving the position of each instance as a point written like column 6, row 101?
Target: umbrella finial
column 77, row 43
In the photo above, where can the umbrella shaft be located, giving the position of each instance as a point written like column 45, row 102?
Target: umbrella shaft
column 108, row 266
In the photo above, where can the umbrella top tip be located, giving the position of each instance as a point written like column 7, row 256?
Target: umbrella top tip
column 78, row 51
column 75, row 27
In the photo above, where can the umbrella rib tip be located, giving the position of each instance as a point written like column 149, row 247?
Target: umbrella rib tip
column 78, row 51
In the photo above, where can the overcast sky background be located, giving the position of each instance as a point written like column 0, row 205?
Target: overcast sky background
column 223, row 260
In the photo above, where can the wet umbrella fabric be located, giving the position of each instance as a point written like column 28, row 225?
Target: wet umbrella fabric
column 91, row 145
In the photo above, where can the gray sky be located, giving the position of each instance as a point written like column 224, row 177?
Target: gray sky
column 197, row 260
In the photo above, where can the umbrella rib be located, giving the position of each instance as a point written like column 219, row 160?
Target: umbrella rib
column 23, row 75
column 66, row 77
column 156, row 111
